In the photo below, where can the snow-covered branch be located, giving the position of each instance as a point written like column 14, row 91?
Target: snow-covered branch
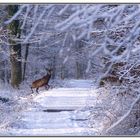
column 125, row 116
column 36, row 24
column 16, row 14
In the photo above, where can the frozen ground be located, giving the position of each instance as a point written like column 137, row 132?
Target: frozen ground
column 72, row 108
column 57, row 112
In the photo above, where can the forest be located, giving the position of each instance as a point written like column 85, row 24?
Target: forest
column 70, row 69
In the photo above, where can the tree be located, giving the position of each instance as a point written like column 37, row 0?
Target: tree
column 15, row 47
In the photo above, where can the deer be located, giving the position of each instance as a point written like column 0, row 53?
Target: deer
column 42, row 82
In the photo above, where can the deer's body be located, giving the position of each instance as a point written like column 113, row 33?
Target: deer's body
column 41, row 82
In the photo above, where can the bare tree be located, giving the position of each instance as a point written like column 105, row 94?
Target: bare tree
column 15, row 47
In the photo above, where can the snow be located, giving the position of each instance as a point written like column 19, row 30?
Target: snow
column 76, row 109
column 67, row 108
column 56, row 112
column 51, row 132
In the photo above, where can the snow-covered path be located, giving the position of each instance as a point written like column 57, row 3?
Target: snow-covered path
column 56, row 112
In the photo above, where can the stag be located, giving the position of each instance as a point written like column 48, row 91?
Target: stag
column 42, row 82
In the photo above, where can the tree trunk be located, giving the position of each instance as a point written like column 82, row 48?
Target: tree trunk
column 54, row 69
column 15, row 48
column 78, row 70
column 62, row 72
column 25, row 61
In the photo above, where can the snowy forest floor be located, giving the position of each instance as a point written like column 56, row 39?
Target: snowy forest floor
column 53, row 112
column 77, row 108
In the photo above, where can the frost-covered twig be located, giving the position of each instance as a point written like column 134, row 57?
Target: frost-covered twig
column 128, row 70
column 125, row 116
column 25, row 17
column 63, row 10
column 46, row 21
column 36, row 24
column 16, row 14
column 35, row 13
column 71, row 19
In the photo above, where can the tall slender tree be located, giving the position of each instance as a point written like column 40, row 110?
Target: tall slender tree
column 15, row 48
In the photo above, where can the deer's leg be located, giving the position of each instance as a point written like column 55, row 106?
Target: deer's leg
column 32, row 90
column 47, row 87
column 37, row 90
column 51, row 86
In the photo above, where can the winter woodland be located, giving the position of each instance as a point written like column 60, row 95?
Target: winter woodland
column 93, row 51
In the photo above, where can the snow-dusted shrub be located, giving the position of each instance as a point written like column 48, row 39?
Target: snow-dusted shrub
column 115, row 111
